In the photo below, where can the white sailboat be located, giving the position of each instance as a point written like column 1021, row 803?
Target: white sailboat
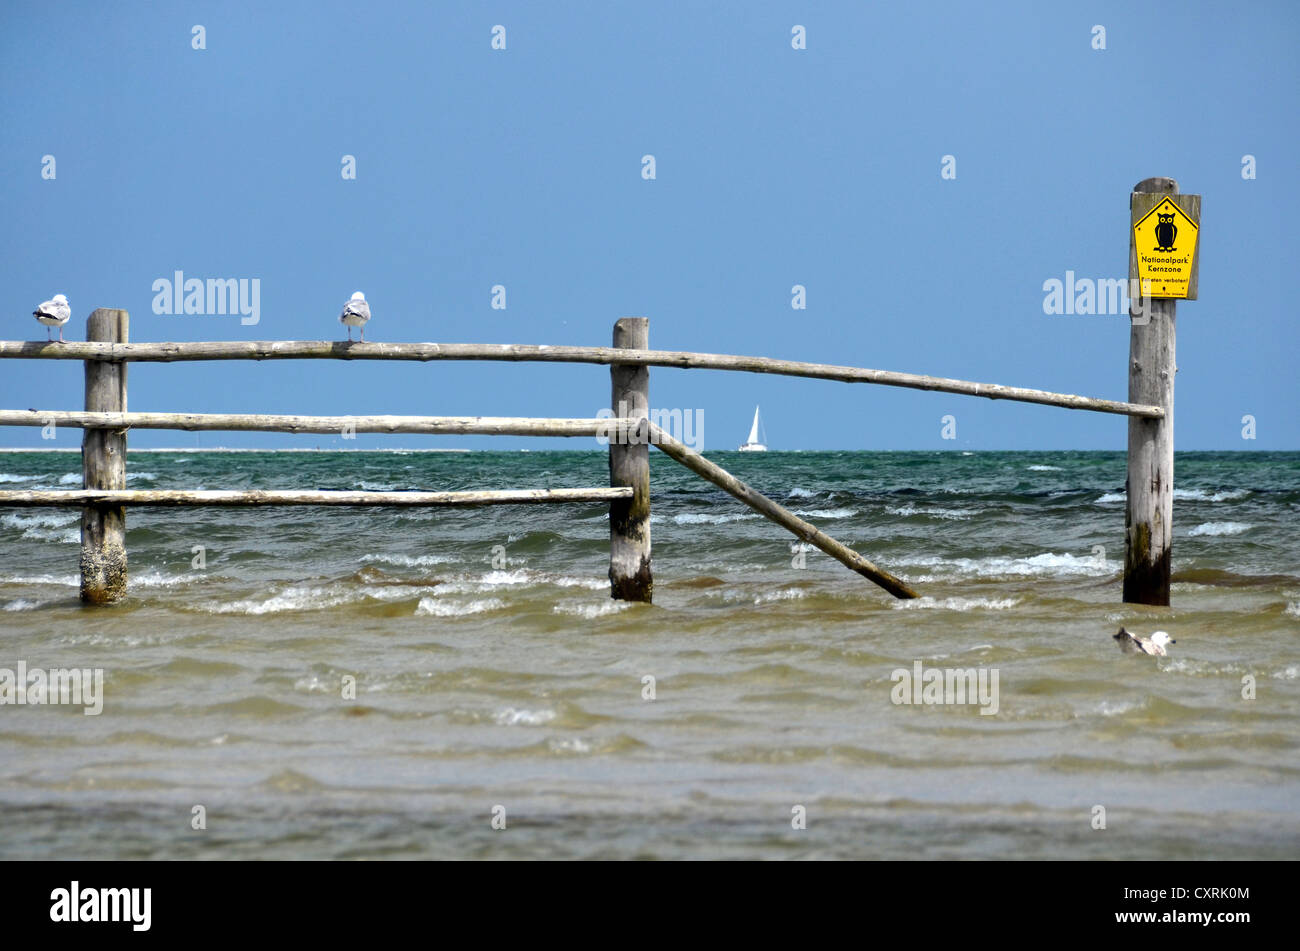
column 752, row 444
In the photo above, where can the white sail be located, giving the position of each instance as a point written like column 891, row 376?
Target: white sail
column 752, row 444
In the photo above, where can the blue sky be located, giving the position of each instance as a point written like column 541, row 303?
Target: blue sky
column 774, row 167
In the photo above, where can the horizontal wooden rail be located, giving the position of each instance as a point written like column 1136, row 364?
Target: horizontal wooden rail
column 435, row 425
column 341, row 350
column 156, row 497
column 782, row 516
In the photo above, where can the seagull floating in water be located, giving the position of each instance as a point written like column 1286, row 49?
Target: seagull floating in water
column 355, row 314
column 1137, row 644
column 53, row 313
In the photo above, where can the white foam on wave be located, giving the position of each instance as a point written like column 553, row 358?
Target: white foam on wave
column 592, row 584
column 704, row 518
column 781, row 594
column 51, row 520
column 826, row 513
column 512, row 717
column 1200, row 495
column 66, row 580
column 958, row 604
column 906, row 511
column 156, row 579
column 314, row 684
column 1287, row 673
column 801, row 493
column 46, row 528
column 1292, row 608
column 1220, row 528
column 378, row 486
column 291, row 599
column 11, row 477
column 304, row 597
column 435, row 607
column 1111, row 497
column 1117, row 708
column 72, row 478
column 518, row 576
column 592, row 611
column 1044, row 468
column 22, row 604
column 1000, row 566
column 407, row 561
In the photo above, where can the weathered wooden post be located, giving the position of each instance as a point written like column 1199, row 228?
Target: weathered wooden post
column 1164, row 240
column 629, row 465
column 103, row 466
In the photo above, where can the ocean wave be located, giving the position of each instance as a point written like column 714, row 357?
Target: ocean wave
column 907, row 511
column 52, row 520
column 22, row 604
column 156, row 579
column 434, row 607
column 492, row 580
column 565, row 581
column 513, row 717
column 1044, row 468
column 1200, row 495
column 66, row 580
column 1292, row 608
column 291, row 599
column 46, row 528
column 592, row 611
column 1108, row 708
column 378, row 486
column 305, row 597
column 826, row 513
column 1287, row 673
column 958, row 604
column 1110, row 497
column 782, row 594
column 314, row 684
column 72, row 478
column 1220, row 528
column 799, row 492
column 704, row 518
column 407, row 561
column 1001, row 566
column 10, row 477
column 1199, row 668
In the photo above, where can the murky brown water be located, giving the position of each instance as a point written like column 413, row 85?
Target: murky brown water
column 521, row 684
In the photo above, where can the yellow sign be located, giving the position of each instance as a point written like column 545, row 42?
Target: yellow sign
column 1165, row 242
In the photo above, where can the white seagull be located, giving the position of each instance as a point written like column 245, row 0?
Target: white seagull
column 355, row 314
column 53, row 313
column 1137, row 644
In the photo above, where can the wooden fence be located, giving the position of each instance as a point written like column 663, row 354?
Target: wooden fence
column 106, row 421
column 104, row 497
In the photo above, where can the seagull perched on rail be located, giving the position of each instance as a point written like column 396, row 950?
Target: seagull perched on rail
column 53, row 313
column 1137, row 644
column 355, row 314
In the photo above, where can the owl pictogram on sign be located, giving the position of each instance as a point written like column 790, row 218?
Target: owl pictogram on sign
column 1166, row 232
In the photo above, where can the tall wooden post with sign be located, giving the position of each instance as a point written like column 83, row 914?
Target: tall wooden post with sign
column 1164, row 241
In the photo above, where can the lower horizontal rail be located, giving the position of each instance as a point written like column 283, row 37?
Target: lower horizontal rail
column 158, row 497
column 257, row 422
